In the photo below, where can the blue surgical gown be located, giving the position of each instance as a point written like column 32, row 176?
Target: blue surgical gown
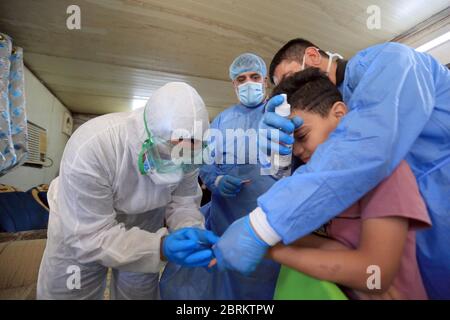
column 196, row 283
column 399, row 102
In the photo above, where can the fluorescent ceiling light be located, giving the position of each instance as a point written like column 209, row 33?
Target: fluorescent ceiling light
column 434, row 43
column 138, row 102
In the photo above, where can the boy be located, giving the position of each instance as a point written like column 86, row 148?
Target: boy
column 375, row 233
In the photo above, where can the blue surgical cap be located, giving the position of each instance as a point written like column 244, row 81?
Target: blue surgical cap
column 247, row 62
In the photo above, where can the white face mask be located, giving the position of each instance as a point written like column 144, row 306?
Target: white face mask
column 166, row 178
column 331, row 56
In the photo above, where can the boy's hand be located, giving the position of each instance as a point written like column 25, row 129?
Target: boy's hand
column 190, row 247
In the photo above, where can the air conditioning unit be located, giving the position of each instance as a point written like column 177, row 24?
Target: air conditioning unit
column 37, row 145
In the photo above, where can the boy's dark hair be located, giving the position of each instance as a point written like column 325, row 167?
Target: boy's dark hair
column 309, row 90
column 291, row 51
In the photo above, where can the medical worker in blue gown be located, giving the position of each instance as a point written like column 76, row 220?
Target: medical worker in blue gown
column 399, row 101
column 235, row 185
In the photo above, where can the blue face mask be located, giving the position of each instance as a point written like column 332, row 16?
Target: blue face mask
column 251, row 93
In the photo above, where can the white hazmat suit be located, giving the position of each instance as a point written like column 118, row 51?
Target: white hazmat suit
column 105, row 213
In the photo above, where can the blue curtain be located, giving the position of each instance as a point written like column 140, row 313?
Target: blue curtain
column 13, row 122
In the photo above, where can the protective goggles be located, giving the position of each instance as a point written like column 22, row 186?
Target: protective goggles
column 158, row 155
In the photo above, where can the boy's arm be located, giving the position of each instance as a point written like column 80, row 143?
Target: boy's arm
column 382, row 243
column 319, row 242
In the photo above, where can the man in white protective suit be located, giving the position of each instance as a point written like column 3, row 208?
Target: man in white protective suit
column 123, row 178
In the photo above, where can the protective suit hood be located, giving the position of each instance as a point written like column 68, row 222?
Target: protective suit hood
column 176, row 110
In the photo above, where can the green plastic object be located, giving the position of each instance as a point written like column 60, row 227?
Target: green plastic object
column 294, row 285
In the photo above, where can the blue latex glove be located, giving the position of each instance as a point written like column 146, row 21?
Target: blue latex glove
column 240, row 248
column 268, row 142
column 190, row 247
column 229, row 186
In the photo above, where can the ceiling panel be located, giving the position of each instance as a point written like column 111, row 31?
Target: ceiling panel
column 128, row 48
column 86, row 85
